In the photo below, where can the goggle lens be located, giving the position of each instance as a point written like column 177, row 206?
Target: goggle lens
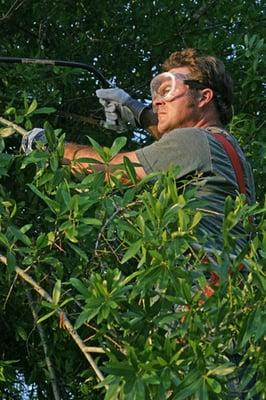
column 166, row 85
column 163, row 85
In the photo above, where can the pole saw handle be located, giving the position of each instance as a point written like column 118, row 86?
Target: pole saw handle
column 61, row 63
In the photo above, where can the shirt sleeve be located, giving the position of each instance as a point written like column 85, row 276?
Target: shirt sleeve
column 187, row 148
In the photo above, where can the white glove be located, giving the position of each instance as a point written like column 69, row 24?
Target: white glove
column 113, row 119
column 120, row 108
column 31, row 138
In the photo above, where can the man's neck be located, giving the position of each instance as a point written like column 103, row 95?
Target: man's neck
column 208, row 123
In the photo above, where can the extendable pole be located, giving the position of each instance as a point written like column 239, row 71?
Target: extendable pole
column 60, row 63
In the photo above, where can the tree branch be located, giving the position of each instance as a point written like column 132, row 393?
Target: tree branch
column 48, row 361
column 67, row 324
column 14, row 7
column 79, row 118
column 17, row 128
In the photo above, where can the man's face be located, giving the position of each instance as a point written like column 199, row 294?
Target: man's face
column 179, row 112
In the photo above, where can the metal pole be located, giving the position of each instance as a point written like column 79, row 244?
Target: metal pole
column 60, row 63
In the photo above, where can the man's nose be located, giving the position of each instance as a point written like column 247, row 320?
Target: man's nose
column 157, row 101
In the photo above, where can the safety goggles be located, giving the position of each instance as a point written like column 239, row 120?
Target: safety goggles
column 166, row 85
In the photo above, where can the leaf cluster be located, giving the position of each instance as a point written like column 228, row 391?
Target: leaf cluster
column 127, row 264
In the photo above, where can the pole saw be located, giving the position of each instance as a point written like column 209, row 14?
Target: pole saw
column 60, row 63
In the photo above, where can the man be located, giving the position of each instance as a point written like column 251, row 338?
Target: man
column 191, row 103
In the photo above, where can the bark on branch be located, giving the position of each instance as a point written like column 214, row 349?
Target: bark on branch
column 17, row 128
column 67, row 324
column 48, row 361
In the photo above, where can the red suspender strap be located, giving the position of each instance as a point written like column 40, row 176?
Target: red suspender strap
column 235, row 160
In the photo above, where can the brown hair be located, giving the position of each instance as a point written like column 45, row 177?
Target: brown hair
column 211, row 72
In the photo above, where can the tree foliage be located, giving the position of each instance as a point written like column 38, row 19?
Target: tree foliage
column 123, row 262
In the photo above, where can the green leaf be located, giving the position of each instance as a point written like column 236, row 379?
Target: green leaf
column 22, row 333
column 6, row 132
column 139, row 390
column 56, row 292
column 4, row 241
column 196, row 219
column 54, row 162
column 26, row 228
column 189, row 386
column 11, row 261
column 130, row 170
column 222, row 370
column 10, row 111
column 118, row 144
column 86, row 315
column 91, row 221
column 119, row 369
column 32, row 107
column 88, row 160
column 214, row 385
column 46, row 316
column 50, row 135
column 81, row 288
column 53, row 205
column 79, row 251
column 28, row 124
column 112, row 391
column 19, row 119
column 99, row 150
column 131, row 251
column 35, row 157
column 45, row 110
column 18, row 235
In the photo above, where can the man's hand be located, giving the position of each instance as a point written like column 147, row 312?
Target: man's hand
column 120, row 109
column 30, row 140
column 113, row 119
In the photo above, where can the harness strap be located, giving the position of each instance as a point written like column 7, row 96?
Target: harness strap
column 208, row 291
column 235, row 160
column 236, row 164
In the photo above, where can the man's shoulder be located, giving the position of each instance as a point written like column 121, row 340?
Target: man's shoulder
column 185, row 147
column 185, row 136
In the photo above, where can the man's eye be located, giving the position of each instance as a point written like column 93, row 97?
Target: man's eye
column 165, row 90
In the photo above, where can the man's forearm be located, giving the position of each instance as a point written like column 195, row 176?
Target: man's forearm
column 76, row 151
column 73, row 152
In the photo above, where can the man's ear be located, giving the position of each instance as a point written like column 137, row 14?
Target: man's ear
column 206, row 96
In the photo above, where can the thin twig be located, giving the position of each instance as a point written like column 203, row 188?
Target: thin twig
column 9, row 292
column 14, row 6
column 48, row 361
column 113, row 341
column 117, row 211
column 17, row 128
column 77, row 117
column 67, row 324
column 206, row 211
column 93, row 349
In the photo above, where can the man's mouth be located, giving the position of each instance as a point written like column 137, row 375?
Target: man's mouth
column 161, row 113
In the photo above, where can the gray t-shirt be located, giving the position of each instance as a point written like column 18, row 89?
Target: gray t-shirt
column 195, row 151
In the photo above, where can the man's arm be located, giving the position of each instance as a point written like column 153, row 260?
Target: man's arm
column 75, row 151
